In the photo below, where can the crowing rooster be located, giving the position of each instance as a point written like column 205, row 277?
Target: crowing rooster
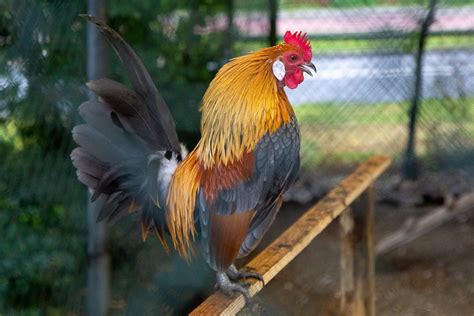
column 229, row 189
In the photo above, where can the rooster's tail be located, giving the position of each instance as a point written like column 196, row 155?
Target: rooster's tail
column 128, row 146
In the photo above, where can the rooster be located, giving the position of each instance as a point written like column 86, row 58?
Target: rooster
column 227, row 190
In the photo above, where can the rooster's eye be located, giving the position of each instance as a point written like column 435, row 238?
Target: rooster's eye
column 293, row 57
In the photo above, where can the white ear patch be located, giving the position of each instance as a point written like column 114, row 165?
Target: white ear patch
column 279, row 70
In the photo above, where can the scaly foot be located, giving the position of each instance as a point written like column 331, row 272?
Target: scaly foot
column 235, row 275
column 229, row 288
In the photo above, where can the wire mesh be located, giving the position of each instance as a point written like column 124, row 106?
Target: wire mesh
column 357, row 105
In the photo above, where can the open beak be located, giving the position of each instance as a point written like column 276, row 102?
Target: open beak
column 308, row 67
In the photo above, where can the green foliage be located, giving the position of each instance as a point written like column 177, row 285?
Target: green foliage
column 42, row 246
column 181, row 61
column 42, row 76
column 42, row 254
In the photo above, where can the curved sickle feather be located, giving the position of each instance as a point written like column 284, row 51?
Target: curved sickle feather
column 143, row 86
column 127, row 138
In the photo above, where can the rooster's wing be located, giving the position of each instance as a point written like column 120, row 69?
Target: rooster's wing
column 238, row 202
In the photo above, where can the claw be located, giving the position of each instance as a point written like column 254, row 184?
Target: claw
column 229, row 288
column 234, row 274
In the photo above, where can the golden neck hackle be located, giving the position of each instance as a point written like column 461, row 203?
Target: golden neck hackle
column 242, row 104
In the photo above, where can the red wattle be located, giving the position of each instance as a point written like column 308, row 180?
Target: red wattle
column 290, row 82
column 293, row 80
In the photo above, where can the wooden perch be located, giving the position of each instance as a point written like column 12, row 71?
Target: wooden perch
column 286, row 247
column 414, row 228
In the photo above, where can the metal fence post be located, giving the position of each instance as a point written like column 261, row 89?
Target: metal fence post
column 98, row 288
column 410, row 168
column 273, row 8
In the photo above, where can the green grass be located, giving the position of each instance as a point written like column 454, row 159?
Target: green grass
column 294, row 5
column 356, row 114
column 327, row 46
column 289, row 5
column 347, row 134
column 450, row 41
column 331, row 114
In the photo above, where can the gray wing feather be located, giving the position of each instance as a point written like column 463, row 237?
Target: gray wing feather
column 276, row 166
column 284, row 147
column 259, row 226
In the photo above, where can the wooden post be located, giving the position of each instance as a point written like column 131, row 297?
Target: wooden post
column 357, row 257
column 346, row 224
column 369, row 230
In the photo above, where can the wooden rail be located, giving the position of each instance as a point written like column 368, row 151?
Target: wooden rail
column 357, row 258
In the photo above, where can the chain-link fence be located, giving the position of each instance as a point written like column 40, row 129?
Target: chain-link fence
column 361, row 102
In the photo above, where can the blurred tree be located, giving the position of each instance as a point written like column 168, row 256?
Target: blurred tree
column 41, row 253
column 42, row 75
column 181, row 54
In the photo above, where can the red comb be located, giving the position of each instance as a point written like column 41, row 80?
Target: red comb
column 301, row 41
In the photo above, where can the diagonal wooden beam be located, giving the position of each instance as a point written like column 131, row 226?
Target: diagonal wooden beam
column 286, row 247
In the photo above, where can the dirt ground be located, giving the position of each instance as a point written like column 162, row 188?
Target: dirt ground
column 433, row 275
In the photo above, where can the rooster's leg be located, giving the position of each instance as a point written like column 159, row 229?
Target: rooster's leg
column 234, row 274
column 229, row 288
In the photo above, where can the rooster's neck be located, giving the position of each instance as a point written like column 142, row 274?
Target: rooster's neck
column 242, row 104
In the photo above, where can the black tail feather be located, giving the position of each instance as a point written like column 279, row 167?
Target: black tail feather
column 124, row 141
column 98, row 144
column 119, row 97
column 130, row 110
column 88, row 164
column 156, row 109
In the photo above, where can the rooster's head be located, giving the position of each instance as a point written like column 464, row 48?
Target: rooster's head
column 294, row 57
